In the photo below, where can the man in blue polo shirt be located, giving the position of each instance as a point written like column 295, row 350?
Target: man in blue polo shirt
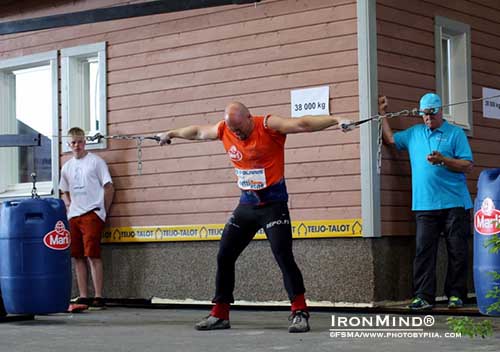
column 440, row 156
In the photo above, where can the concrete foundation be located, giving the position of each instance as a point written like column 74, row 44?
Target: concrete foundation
column 337, row 270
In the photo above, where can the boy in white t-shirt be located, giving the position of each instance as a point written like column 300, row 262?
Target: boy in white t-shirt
column 87, row 191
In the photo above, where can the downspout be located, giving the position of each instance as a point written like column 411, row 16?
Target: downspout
column 368, row 106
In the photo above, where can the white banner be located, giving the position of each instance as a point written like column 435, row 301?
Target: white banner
column 491, row 106
column 310, row 101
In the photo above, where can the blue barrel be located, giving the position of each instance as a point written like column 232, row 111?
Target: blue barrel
column 486, row 225
column 35, row 263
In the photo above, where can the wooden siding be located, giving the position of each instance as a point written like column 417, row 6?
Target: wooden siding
column 406, row 71
column 171, row 70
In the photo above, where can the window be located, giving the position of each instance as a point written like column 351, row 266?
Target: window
column 83, row 85
column 453, row 70
column 28, row 105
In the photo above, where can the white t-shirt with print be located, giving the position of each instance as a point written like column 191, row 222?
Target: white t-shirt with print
column 84, row 179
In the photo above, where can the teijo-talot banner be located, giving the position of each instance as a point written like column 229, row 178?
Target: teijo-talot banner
column 213, row 232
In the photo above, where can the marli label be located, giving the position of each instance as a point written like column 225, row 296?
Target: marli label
column 59, row 238
column 487, row 219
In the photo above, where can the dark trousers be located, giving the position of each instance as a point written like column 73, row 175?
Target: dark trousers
column 246, row 220
column 454, row 223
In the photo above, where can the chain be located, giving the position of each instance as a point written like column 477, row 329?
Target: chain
column 98, row 137
column 379, row 118
column 411, row 112
column 406, row 112
column 139, row 156
column 379, row 146
column 139, row 139
column 34, row 193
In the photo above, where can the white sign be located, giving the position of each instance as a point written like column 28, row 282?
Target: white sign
column 491, row 106
column 310, row 101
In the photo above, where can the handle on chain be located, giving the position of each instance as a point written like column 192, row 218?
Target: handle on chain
column 157, row 138
column 96, row 137
column 357, row 123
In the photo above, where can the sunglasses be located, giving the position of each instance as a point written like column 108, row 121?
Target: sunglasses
column 430, row 112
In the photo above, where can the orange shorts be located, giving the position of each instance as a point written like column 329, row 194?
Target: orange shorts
column 86, row 232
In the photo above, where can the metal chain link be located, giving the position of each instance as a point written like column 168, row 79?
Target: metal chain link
column 34, row 193
column 139, row 140
column 379, row 118
column 407, row 112
column 139, row 156
column 379, row 146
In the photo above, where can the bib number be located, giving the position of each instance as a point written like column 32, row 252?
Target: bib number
column 253, row 179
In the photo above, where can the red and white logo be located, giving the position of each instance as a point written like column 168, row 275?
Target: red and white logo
column 234, row 153
column 59, row 238
column 487, row 219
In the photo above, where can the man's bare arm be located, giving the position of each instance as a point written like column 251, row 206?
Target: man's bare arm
column 109, row 192
column 387, row 133
column 308, row 123
column 66, row 199
column 193, row 132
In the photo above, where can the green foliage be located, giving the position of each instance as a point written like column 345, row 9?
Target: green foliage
column 495, row 275
column 494, row 293
column 467, row 327
column 494, row 242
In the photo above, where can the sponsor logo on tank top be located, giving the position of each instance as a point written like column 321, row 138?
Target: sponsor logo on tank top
column 234, row 153
column 487, row 219
column 59, row 238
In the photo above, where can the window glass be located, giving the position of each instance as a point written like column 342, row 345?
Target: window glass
column 84, row 91
column 34, row 115
column 445, row 52
column 453, row 70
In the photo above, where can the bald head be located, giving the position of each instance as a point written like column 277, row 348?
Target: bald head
column 238, row 119
column 236, row 111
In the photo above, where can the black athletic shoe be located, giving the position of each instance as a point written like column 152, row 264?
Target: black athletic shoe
column 97, row 303
column 300, row 322
column 212, row 323
column 82, row 300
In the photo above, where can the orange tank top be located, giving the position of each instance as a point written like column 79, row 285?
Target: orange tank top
column 259, row 160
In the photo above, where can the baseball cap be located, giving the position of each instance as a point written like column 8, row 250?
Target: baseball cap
column 430, row 101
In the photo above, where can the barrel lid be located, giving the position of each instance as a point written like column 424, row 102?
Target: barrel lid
column 488, row 184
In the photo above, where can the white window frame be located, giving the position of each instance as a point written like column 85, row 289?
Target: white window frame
column 460, row 76
column 48, row 188
column 72, row 89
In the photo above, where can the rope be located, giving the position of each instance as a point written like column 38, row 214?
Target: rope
column 470, row 101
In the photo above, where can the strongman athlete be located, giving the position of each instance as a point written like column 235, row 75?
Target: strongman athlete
column 256, row 147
